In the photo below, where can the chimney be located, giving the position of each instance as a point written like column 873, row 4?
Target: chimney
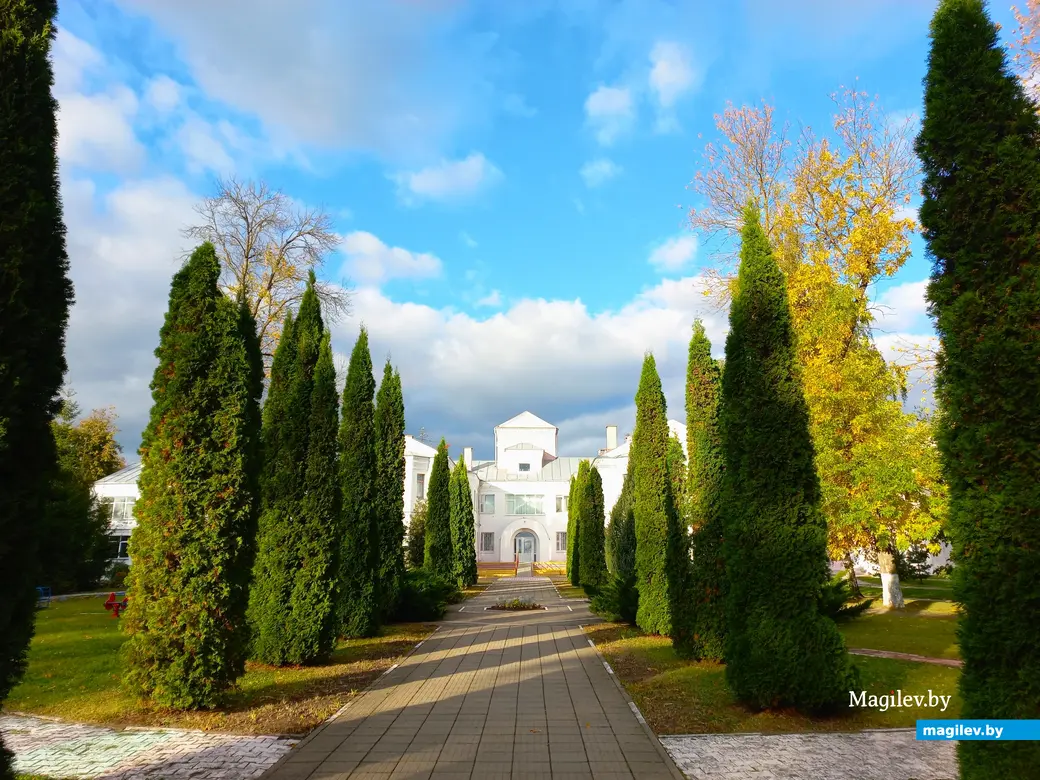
column 611, row 437
column 467, row 456
column 628, row 438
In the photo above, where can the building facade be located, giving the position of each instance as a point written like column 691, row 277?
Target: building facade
column 519, row 497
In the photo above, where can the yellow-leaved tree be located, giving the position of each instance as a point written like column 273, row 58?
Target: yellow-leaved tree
column 267, row 245
column 835, row 211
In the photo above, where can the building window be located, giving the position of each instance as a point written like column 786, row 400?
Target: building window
column 525, row 466
column 420, row 487
column 120, row 508
column 120, row 546
column 561, row 541
column 523, row 505
column 561, row 503
column 487, row 541
column 487, row 504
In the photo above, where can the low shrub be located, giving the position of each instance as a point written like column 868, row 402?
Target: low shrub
column 834, row 598
column 912, row 563
column 516, row 604
column 617, row 601
column 424, row 596
column 115, row 577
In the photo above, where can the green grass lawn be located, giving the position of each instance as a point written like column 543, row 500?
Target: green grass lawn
column 904, row 631
column 930, row 588
column 566, row 590
column 74, row 674
column 682, row 697
column 909, row 592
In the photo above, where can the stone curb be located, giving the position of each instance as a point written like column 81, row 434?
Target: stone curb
column 166, row 729
column 654, row 739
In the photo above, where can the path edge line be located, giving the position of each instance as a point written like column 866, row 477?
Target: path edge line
column 654, row 739
column 325, row 723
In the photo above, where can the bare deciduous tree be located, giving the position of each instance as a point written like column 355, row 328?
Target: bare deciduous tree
column 268, row 244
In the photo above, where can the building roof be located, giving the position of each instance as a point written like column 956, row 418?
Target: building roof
column 675, row 428
column 413, row 446
column 526, row 420
column 559, row 470
column 125, row 476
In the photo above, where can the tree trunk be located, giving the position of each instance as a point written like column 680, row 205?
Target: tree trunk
column 850, row 569
column 891, row 593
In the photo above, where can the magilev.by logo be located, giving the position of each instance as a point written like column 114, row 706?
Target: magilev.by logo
column 897, row 699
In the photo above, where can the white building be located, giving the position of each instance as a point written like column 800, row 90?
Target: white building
column 119, row 492
column 519, row 497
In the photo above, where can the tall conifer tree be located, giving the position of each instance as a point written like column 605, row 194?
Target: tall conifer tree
column 780, row 651
column 390, row 470
column 463, row 532
column 654, row 506
column 439, row 557
column 619, row 600
column 575, row 503
column 292, row 610
column 35, row 296
column 417, row 536
column 196, row 517
column 703, row 495
column 359, row 564
column 315, row 618
column 980, row 151
column 592, row 534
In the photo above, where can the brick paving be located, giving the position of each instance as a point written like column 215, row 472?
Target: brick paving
column 492, row 695
column 69, row 750
column 922, row 659
column 868, row 755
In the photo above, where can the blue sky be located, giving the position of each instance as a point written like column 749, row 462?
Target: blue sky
column 502, row 174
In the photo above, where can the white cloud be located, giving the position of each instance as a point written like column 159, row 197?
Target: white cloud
column 902, row 306
column 674, row 254
column 394, row 78
column 671, row 72
column 448, row 180
column 468, row 240
column 556, row 357
column 610, row 112
column 371, row 261
column 908, row 212
column 163, row 94
column 124, row 248
column 203, row 150
column 492, row 299
column 517, row 106
column 597, row 172
column 672, row 75
column 73, row 59
column 95, row 130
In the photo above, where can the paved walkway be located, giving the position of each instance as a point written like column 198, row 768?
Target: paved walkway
column 70, row 750
column 868, row 755
column 491, row 695
column 923, row 659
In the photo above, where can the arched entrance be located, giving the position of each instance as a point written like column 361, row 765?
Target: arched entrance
column 525, row 544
